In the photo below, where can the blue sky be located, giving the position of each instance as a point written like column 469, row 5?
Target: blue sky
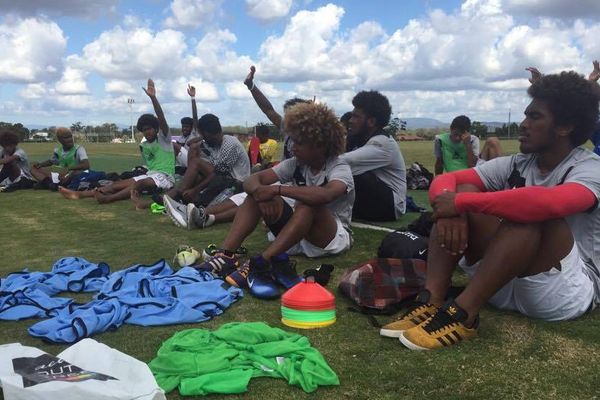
column 80, row 61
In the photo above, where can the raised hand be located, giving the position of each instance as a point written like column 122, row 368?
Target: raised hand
column 595, row 74
column 535, row 74
column 250, row 78
column 191, row 90
column 151, row 90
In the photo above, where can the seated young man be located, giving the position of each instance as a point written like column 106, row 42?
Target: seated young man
column 157, row 152
column 526, row 225
column 267, row 149
column 323, row 190
column 376, row 161
column 215, row 164
column 14, row 167
column 71, row 157
column 460, row 150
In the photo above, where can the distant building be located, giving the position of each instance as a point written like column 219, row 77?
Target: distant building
column 41, row 136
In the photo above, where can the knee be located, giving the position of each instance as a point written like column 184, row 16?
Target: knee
column 531, row 229
column 492, row 141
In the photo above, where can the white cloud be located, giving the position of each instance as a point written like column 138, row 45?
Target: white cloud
column 237, row 90
column 134, row 54
column 268, row 10
column 32, row 50
column 205, row 91
column 192, row 13
column 118, row 86
column 216, row 61
column 73, row 82
column 34, row 91
column 301, row 52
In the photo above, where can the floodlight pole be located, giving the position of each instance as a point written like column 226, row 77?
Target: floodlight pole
column 509, row 122
column 130, row 102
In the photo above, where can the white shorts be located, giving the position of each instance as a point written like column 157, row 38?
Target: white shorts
column 239, row 198
column 553, row 295
column 342, row 241
column 161, row 180
column 56, row 177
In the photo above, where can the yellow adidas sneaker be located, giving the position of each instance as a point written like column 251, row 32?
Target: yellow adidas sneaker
column 446, row 328
column 420, row 312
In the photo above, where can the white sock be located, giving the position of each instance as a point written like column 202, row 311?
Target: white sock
column 209, row 221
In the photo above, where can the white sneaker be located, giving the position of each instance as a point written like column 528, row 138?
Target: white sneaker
column 176, row 211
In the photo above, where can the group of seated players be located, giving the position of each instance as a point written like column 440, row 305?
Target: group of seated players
column 521, row 226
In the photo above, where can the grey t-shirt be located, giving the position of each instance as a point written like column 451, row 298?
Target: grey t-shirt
column 382, row 155
column 80, row 155
column 22, row 161
column 228, row 158
column 334, row 169
column 580, row 166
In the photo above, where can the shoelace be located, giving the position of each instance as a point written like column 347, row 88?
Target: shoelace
column 440, row 320
column 411, row 308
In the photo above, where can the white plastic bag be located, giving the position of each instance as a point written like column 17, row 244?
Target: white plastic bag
column 87, row 370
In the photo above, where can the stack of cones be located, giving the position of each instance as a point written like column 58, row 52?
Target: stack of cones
column 308, row 305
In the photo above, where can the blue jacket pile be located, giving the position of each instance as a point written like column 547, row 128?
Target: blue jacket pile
column 145, row 295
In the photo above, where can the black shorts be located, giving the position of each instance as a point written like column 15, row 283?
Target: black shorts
column 374, row 199
column 286, row 214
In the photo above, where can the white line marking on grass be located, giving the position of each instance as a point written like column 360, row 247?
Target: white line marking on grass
column 373, row 227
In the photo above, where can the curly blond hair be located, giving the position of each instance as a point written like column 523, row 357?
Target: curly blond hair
column 62, row 131
column 317, row 125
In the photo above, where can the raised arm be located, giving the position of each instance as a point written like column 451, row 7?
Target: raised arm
column 151, row 92
column 595, row 74
column 263, row 103
column 535, row 74
column 192, row 92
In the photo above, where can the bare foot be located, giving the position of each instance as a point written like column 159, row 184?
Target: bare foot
column 101, row 197
column 139, row 203
column 68, row 194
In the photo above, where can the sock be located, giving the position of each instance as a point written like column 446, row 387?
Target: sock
column 209, row 221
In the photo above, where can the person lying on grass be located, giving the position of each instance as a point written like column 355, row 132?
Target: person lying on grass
column 157, row 152
column 70, row 157
column 318, row 224
column 525, row 224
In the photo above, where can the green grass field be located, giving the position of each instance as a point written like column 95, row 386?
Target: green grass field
column 514, row 357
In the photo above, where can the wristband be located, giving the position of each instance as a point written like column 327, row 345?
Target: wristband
column 193, row 97
column 252, row 88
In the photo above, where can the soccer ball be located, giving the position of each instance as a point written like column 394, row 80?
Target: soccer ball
column 186, row 256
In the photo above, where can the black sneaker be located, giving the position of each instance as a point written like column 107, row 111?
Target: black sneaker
column 260, row 279
column 284, row 271
column 321, row 274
